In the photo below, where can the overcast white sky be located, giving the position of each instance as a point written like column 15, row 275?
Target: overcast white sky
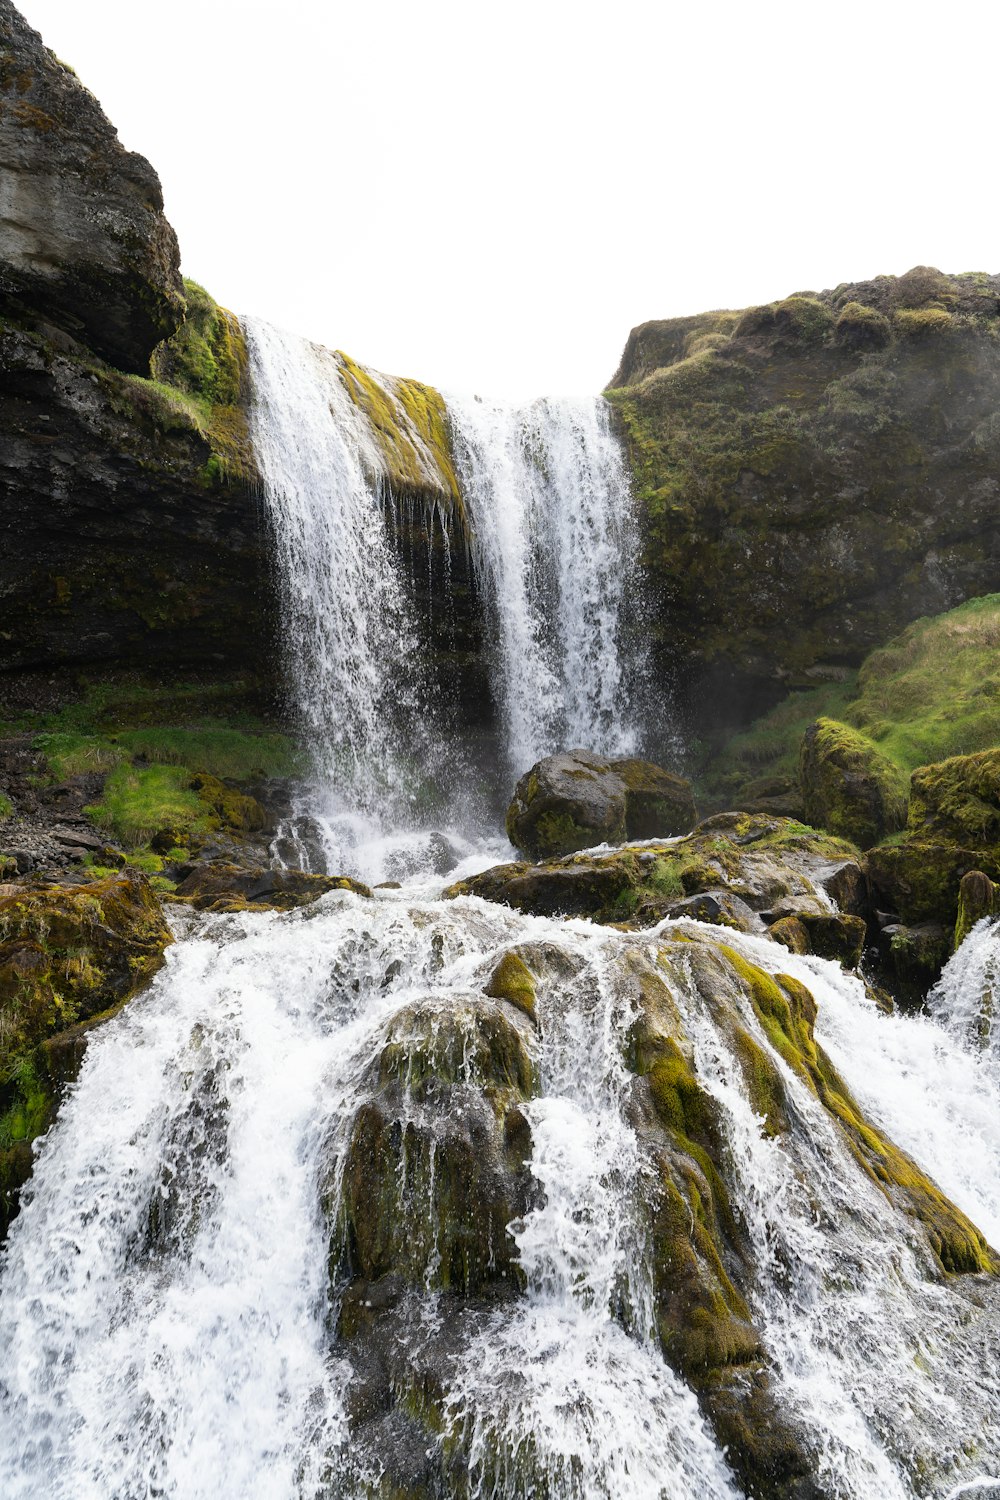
column 488, row 197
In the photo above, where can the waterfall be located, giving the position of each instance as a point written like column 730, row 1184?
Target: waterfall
column 966, row 999
column 167, row 1306
column 359, row 688
column 553, row 535
column 555, row 547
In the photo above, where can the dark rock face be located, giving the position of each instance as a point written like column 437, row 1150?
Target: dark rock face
column 84, row 241
column 576, row 799
column 813, row 475
column 118, row 551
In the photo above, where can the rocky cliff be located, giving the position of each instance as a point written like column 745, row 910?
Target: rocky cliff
column 813, row 475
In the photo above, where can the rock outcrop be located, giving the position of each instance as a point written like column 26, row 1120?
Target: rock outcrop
column 85, row 245
column 576, row 799
column 68, row 959
column 755, row 874
column 813, row 474
column 848, row 786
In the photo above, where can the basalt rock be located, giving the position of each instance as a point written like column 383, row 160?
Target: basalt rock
column 432, row 1170
column 576, row 799
column 84, row 242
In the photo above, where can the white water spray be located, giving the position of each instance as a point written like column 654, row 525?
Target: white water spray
column 555, row 547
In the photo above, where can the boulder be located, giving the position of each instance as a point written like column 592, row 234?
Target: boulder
column 734, row 870
column 69, row 958
column 431, row 1168
column 978, row 897
column 222, row 887
column 848, row 786
column 85, row 242
column 958, row 799
column 575, row 799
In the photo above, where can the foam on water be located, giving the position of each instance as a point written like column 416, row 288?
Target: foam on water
column 165, row 1303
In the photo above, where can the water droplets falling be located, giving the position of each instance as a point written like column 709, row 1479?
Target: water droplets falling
column 555, row 548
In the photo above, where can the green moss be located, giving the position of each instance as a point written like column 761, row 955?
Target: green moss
column 923, row 322
column 200, row 380
column 787, row 1012
column 513, row 981
column 135, row 804
column 410, row 423
column 978, row 897
column 958, row 799
column 861, row 327
column 848, row 786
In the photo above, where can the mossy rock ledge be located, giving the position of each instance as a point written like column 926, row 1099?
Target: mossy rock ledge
column 575, row 799
column 753, row 873
column 70, row 957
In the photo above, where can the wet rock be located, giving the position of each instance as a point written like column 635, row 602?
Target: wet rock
column 225, row 887
column 738, row 870
column 69, row 958
column 978, row 897
column 576, row 799
column 431, row 1169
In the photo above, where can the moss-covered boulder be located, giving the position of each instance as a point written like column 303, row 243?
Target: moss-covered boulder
column 848, row 786
column 978, row 897
column 958, row 799
column 919, row 879
column 431, row 1168
column 69, row 957
column 218, row 886
column 576, row 799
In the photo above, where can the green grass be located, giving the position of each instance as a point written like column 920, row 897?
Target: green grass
column 226, row 753
column 137, row 803
column 6, row 806
column 75, row 754
column 935, row 690
column 769, row 748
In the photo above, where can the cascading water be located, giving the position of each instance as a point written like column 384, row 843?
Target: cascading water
column 234, row 1274
column 166, row 1305
column 354, row 668
column 555, row 546
column 966, row 999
